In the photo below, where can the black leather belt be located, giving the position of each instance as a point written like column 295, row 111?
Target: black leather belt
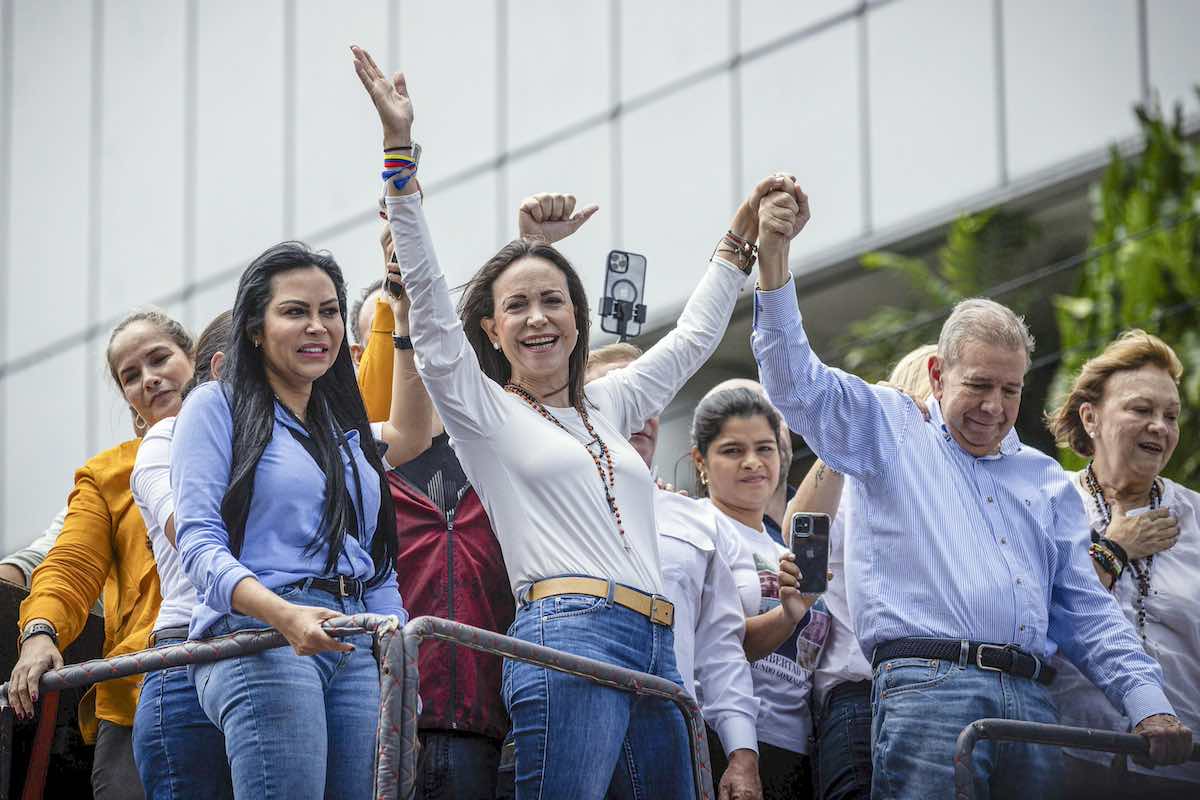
column 340, row 587
column 996, row 657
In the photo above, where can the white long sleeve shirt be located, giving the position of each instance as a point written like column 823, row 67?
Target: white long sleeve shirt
column 538, row 483
column 150, row 483
column 1172, row 633
column 843, row 660
column 709, row 626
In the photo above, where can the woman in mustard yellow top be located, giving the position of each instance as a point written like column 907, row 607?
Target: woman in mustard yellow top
column 103, row 547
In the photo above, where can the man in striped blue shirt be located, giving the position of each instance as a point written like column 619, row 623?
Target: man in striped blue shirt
column 969, row 565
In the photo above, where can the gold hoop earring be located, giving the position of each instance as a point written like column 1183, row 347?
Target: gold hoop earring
column 703, row 478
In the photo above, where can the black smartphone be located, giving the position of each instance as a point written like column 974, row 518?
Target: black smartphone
column 809, row 541
column 624, row 280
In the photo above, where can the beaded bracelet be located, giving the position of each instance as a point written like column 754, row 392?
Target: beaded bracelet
column 746, row 250
column 399, row 168
column 1117, row 551
column 1105, row 558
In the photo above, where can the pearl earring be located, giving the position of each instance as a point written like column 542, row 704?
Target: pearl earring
column 495, row 345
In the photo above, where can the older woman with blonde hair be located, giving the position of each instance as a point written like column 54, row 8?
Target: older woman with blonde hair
column 1122, row 413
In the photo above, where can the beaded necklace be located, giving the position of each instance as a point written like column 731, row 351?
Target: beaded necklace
column 607, row 477
column 1141, row 567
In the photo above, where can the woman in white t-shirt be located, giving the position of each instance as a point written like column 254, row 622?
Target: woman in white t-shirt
column 735, row 438
column 1123, row 414
column 570, row 500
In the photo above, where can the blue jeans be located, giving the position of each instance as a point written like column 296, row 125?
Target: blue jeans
column 296, row 726
column 457, row 766
column 921, row 705
column 843, row 731
column 178, row 751
column 580, row 740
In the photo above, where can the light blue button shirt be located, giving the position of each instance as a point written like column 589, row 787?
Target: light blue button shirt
column 947, row 545
column 285, row 511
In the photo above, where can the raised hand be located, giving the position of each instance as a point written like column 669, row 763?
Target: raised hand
column 551, row 217
column 390, row 96
column 745, row 219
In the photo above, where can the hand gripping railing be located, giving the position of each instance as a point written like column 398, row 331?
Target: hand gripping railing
column 1009, row 730
column 599, row 672
column 239, row 643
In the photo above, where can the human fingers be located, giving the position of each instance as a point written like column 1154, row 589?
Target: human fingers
column 583, row 216
column 558, row 203
column 568, row 205
column 1157, row 513
column 761, row 189
column 400, row 84
column 546, row 202
column 18, row 695
column 533, row 207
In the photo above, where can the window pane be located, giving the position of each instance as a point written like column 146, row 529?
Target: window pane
column 814, row 135
column 1071, row 71
column 767, row 20
column 922, row 159
column 1174, row 57
column 664, row 41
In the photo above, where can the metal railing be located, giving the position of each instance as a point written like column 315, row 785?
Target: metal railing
column 1009, row 730
column 599, row 672
column 396, row 755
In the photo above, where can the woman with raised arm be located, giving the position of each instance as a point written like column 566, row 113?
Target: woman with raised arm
column 570, row 500
column 284, row 518
column 103, row 546
column 1122, row 413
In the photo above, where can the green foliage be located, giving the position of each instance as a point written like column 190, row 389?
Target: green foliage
column 1146, row 273
column 980, row 251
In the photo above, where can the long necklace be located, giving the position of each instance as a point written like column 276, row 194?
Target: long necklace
column 1141, row 570
column 608, row 478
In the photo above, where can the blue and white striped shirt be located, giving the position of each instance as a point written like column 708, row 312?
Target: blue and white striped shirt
column 947, row 545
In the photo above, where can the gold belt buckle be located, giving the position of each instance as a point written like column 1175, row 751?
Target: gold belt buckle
column 661, row 611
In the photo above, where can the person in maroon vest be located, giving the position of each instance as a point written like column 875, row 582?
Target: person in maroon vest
column 448, row 562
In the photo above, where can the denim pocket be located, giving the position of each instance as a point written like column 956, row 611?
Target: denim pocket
column 571, row 605
column 902, row 675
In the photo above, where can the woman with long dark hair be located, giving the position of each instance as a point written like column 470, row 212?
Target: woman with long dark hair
column 284, row 517
column 570, row 500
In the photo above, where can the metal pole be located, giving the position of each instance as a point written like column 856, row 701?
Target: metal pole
column 1011, row 730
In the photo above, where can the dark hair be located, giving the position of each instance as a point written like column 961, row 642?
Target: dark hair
column 213, row 339
column 333, row 407
column 156, row 317
column 718, row 407
column 477, row 303
column 357, row 306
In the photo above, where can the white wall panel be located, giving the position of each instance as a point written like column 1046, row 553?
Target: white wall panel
column 933, row 112
column 1071, row 71
column 142, row 119
column 676, row 191
column 338, row 142
column 766, row 20
column 813, row 134
column 45, row 441
column 558, row 66
column 448, row 54
column 462, row 221
column 240, row 153
column 664, row 41
column 578, row 166
column 358, row 253
column 213, row 301
column 48, row 251
column 1174, row 57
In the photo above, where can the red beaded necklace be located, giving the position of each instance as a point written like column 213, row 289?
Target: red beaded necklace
column 608, row 478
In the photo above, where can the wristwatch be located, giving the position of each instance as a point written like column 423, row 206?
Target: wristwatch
column 37, row 628
column 402, row 342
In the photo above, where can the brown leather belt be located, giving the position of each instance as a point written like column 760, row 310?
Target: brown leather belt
column 658, row 609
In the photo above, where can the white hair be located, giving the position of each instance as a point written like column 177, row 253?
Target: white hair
column 986, row 321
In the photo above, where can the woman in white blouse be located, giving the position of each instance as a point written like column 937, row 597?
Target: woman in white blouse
column 570, row 500
column 1123, row 413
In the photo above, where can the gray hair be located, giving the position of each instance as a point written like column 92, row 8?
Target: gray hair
column 981, row 320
